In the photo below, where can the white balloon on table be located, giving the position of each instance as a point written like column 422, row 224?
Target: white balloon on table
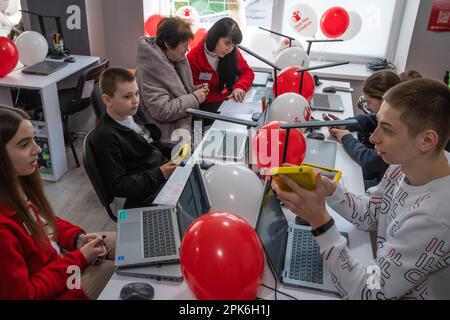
column 32, row 47
column 263, row 45
column 289, row 107
column 303, row 20
column 284, row 44
column 354, row 26
column 294, row 56
column 234, row 188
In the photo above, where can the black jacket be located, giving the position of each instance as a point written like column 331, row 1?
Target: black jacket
column 129, row 164
column 362, row 150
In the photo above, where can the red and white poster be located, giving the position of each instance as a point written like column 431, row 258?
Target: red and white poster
column 440, row 16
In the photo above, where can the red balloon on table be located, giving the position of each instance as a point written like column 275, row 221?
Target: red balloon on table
column 199, row 35
column 222, row 258
column 334, row 22
column 288, row 80
column 267, row 136
column 9, row 56
column 151, row 25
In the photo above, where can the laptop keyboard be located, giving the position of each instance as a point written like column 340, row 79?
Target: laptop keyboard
column 224, row 144
column 159, row 239
column 307, row 263
column 327, row 101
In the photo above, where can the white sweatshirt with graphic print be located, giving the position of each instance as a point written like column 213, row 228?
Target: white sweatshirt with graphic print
column 413, row 240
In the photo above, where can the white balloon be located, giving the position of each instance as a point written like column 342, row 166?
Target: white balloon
column 285, row 44
column 354, row 26
column 32, row 47
column 303, row 20
column 294, row 56
column 289, row 107
column 3, row 5
column 234, row 188
column 263, row 45
column 14, row 6
column 189, row 14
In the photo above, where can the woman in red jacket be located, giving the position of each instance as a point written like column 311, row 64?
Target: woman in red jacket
column 41, row 255
column 217, row 62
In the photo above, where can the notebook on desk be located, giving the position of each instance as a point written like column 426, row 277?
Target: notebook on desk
column 44, row 68
column 153, row 235
column 292, row 252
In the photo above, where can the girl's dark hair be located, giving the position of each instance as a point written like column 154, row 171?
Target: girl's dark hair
column 13, row 188
column 378, row 83
column 228, row 66
column 172, row 31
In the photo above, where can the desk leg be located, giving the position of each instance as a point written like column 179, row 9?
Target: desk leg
column 5, row 97
column 50, row 103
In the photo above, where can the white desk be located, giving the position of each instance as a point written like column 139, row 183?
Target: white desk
column 360, row 245
column 47, row 86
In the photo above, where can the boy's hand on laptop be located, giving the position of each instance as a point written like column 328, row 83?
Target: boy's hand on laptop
column 309, row 205
column 339, row 133
column 167, row 169
column 333, row 117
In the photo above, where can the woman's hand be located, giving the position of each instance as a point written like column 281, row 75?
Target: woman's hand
column 237, row 95
column 85, row 238
column 94, row 249
column 201, row 94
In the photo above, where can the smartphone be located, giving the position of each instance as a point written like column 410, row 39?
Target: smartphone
column 325, row 117
column 332, row 174
column 304, row 176
column 181, row 154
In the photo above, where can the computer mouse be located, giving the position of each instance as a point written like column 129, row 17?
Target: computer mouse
column 137, row 291
column 316, row 135
column 329, row 90
column 69, row 59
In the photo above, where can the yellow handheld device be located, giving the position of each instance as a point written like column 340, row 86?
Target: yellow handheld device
column 181, row 154
column 304, row 176
column 332, row 174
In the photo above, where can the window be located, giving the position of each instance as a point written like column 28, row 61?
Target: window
column 381, row 22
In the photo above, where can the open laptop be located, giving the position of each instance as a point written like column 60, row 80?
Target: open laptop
column 327, row 102
column 224, row 144
column 44, row 68
column 166, row 271
column 321, row 152
column 292, row 252
column 261, row 79
column 153, row 235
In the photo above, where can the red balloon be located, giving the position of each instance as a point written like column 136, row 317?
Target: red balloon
column 222, row 258
column 288, row 80
column 199, row 35
column 334, row 22
column 8, row 56
column 272, row 134
column 151, row 25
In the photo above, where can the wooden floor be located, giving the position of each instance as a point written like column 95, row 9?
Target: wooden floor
column 74, row 199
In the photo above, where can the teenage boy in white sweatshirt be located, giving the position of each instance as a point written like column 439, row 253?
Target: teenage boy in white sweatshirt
column 410, row 208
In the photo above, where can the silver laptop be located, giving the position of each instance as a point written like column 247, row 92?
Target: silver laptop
column 327, row 102
column 44, row 68
column 292, row 252
column 226, row 145
column 153, row 235
column 321, row 152
column 166, row 271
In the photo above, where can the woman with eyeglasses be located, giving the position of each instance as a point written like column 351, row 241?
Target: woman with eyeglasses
column 217, row 62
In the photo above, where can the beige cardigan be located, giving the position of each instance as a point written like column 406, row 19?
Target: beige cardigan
column 164, row 93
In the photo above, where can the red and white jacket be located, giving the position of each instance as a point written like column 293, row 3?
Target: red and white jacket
column 199, row 64
column 30, row 270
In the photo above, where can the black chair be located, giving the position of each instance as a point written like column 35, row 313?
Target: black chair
column 97, row 103
column 92, row 169
column 72, row 101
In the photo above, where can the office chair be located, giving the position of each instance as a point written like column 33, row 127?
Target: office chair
column 72, row 100
column 92, row 169
column 97, row 103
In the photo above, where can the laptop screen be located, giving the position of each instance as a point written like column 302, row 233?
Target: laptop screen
column 193, row 201
column 272, row 228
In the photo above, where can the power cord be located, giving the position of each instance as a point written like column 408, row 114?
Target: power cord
column 380, row 64
column 276, row 284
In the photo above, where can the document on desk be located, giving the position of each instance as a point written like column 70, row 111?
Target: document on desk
column 246, row 107
column 173, row 188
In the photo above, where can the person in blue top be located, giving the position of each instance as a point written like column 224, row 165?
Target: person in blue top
column 361, row 149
